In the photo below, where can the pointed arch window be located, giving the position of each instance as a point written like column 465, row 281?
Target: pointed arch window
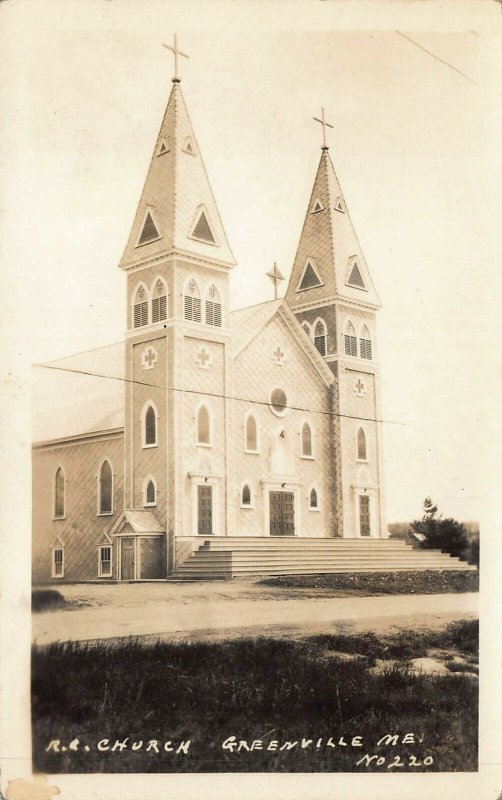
column 149, row 492
column 365, row 347
column 192, row 301
column 361, row 445
column 246, row 496
column 149, row 425
column 251, row 442
column 350, row 340
column 321, row 337
column 59, row 494
column 307, row 441
column 203, row 426
column 213, row 307
column 140, row 310
column 159, row 302
column 313, row 500
column 105, row 488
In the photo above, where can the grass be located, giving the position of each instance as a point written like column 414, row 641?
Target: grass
column 364, row 583
column 262, row 689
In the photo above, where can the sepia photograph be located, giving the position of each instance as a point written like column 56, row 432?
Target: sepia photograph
column 254, row 461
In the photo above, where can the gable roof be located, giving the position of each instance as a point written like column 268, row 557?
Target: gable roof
column 139, row 521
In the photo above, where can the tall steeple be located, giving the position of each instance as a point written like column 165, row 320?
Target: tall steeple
column 177, row 212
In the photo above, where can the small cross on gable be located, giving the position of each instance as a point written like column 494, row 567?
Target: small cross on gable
column 360, row 387
column 279, row 356
column 203, row 358
column 149, row 358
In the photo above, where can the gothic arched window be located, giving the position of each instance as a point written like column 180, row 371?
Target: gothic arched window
column 307, row 450
column 321, row 336
column 149, row 427
column 105, row 486
column 149, row 492
column 365, row 344
column 159, row 301
column 140, row 310
column 203, row 426
column 246, row 495
column 361, row 445
column 59, row 493
column 251, row 434
column 350, row 340
column 313, row 502
column 213, row 307
column 192, row 301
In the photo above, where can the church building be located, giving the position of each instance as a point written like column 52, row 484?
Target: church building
column 205, row 427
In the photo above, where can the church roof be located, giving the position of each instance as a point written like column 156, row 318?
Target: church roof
column 329, row 261
column 177, row 212
column 246, row 322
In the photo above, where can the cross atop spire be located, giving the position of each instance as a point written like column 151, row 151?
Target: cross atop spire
column 174, row 49
column 276, row 276
column 324, row 126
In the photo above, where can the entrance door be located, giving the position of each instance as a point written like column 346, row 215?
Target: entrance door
column 282, row 514
column 364, row 515
column 205, row 510
column 127, row 559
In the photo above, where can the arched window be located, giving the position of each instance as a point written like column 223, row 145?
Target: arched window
column 307, row 450
column 149, row 493
column 140, row 311
column 313, row 502
column 149, row 427
column 213, row 307
column 159, row 301
column 320, row 337
column 361, row 445
column 59, row 493
column 246, row 495
column 203, row 426
column 365, row 344
column 192, row 301
column 251, row 434
column 350, row 340
column 105, row 489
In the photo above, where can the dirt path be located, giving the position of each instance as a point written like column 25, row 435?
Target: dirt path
column 216, row 616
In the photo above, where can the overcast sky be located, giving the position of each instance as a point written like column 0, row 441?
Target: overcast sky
column 410, row 145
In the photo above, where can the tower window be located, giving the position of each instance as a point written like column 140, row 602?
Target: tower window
column 203, row 426
column 59, row 494
column 149, row 232
column 105, row 486
column 320, row 337
column 361, row 445
column 192, row 302
column 201, row 229
column 150, row 427
column 350, row 340
column 246, row 495
column 213, row 307
column 149, row 493
column 159, row 302
column 307, row 451
column 313, row 502
column 251, row 435
column 140, row 308
column 365, row 344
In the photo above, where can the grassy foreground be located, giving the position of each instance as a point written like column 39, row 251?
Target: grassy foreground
column 368, row 583
column 273, row 691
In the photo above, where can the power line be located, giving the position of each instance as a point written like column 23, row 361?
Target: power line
column 214, row 394
column 441, row 60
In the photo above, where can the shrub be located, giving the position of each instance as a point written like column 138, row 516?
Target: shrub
column 46, row 599
column 434, row 532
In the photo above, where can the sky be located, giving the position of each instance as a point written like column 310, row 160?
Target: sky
column 85, row 89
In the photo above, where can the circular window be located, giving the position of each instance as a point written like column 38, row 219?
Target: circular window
column 278, row 401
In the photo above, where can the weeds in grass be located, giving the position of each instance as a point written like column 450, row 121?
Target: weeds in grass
column 364, row 583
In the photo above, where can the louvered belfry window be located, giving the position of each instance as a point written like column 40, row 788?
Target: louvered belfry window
column 320, row 337
column 140, row 308
column 350, row 341
column 192, row 302
column 202, row 230
column 310, row 278
column 149, row 232
column 213, row 308
column 356, row 279
column 159, row 303
column 365, row 344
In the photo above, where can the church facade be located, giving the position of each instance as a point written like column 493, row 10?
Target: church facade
column 261, row 422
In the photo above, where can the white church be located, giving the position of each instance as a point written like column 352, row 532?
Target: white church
column 213, row 443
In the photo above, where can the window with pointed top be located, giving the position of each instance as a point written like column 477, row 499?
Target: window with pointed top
column 159, row 302
column 251, row 442
column 150, row 427
column 213, row 307
column 192, row 301
column 59, row 494
column 105, row 487
column 246, row 496
column 365, row 344
column 203, row 427
column 313, row 500
column 361, row 445
column 140, row 310
column 350, row 340
column 307, row 449
column 150, row 493
column 320, row 337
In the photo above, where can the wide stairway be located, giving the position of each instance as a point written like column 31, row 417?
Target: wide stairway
column 232, row 556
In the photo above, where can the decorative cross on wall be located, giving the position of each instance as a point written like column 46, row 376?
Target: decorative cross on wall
column 149, row 358
column 360, row 387
column 279, row 357
column 203, row 358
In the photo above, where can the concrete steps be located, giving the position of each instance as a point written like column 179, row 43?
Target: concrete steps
column 231, row 556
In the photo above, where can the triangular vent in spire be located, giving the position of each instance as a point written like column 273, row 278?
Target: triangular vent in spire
column 163, row 148
column 355, row 277
column 318, row 206
column 149, row 232
column 339, row 205
column 189, row 146
column 310, row 279
column 202, row 230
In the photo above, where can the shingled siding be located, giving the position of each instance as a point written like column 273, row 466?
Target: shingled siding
column 82, row 528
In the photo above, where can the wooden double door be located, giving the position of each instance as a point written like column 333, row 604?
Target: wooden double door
column 282, row 514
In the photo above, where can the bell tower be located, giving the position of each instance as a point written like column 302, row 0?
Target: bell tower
column 333, row 296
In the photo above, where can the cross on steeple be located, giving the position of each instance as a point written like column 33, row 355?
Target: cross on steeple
column 275, row 275
column 174, row 49
column 324, row 126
